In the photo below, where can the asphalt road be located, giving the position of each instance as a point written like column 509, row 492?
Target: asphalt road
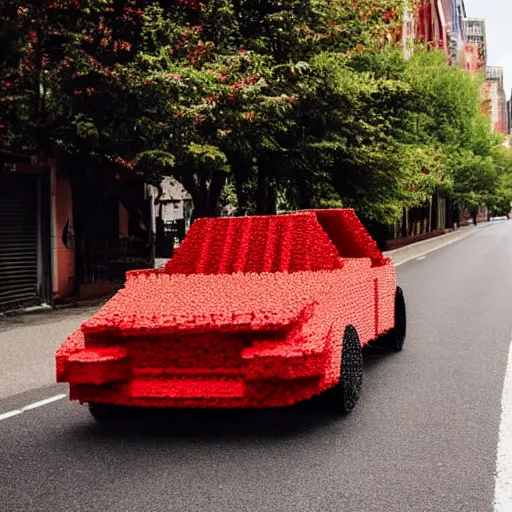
column 422, row 438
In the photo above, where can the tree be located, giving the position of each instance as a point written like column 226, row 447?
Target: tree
column 66, row 95
column 225, row 77
column 288, row 104
column 106, row 86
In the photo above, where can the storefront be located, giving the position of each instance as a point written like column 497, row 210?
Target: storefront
column 24, row 235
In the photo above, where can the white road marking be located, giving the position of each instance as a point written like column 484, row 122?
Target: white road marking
column 46, row 401
column 29, row 407
column 9, row 414
column 422, row 258
column 503, row 485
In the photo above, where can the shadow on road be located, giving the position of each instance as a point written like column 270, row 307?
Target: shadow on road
column 374, row 356
column 17, row 319
column 286, row 422
column 215, row 424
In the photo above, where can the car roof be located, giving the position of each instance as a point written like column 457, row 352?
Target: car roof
column 348, row 234
column 303, row 241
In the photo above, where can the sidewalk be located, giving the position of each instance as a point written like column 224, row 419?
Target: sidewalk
column 419, row 249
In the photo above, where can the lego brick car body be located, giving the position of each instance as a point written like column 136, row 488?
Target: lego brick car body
column 250, row 312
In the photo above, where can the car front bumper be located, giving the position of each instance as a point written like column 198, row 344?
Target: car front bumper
column 264, row 377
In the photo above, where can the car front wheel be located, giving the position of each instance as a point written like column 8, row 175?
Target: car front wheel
column 342, row 398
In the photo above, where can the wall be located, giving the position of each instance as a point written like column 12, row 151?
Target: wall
column 431, row 26
column 494, row 105
column 471, row 58
column 497, row 109
column 124, row 221
column 62, row 237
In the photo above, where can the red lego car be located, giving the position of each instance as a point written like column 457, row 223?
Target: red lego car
column 250, row 312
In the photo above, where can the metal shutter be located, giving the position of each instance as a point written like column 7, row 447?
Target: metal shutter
column 18, row 240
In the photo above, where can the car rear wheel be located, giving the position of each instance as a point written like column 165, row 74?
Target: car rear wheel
column 396, row 337
column 108, row 413
column 342, row 398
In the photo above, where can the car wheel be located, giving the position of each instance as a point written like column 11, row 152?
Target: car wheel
column 342, row 398
column 396, row 338
column 108, row 413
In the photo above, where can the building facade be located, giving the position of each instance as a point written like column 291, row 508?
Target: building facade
column 25, row 232
column 496, row 98
column 431, row 24
column 509, row 117
column 172, row 215
column 438, row 24
column 475, row 48
column 37, row 240
column 455, row 13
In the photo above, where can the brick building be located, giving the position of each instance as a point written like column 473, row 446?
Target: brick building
column 495, row 95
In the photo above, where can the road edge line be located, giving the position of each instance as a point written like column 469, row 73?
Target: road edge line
column 503, row 475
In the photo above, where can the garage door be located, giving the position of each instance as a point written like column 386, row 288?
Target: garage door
column 18, row 240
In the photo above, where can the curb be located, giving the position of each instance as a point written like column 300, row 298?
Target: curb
column 453, row 233
column 31, row 310
column 453, row 238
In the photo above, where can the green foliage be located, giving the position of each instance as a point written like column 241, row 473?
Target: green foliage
column 207, row 156
column 156, row 162
column 284, row 104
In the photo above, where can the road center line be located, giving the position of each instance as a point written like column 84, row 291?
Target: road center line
column 503, row 485
column 29, row 407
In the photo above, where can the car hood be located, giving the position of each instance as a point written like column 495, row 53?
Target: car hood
column 164, row 303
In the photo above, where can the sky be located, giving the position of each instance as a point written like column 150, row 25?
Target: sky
column 498, row 15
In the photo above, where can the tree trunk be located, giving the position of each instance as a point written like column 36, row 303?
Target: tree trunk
column 241, row 197
column 216, row 187
column 206, row 197
column 405, row 223
column 261, row 191
column 304, row 196
column 271, row 199
column 241, row 172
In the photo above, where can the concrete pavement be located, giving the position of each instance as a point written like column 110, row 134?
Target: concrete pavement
column 28, row 344
column 423, row 437
column 420, row 249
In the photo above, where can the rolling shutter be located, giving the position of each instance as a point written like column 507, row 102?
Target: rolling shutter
column 18, row 240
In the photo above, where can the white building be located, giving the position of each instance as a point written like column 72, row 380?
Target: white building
column 171, row 215
column 175, row 203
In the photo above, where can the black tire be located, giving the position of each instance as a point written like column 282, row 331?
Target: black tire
column 342, row 398
column 397, row 335
column 109, row 413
